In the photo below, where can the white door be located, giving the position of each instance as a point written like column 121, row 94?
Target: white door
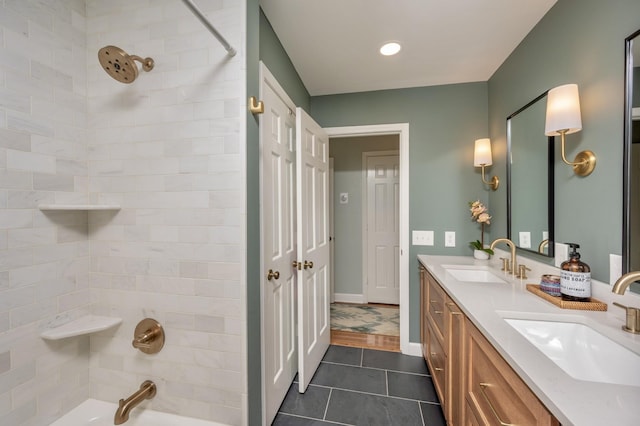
column 312, row 159
column 383, row 192
column 279, row 359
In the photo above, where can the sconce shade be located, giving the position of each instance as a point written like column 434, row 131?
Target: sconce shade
column 563, row 110
column 482, row 153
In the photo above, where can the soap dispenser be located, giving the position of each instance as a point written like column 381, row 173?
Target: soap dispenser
column 575, row 277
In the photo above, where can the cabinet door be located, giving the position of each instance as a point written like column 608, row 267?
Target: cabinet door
column 494, row 392
column 454, row 336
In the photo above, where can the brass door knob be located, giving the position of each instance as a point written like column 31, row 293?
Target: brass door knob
column 273, row 274
column 308, row 264
column 297, row 265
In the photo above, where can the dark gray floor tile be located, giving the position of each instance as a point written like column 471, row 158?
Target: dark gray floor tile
column 411, row 386
column 343, row 355
column 432, row 414
column 394, row 361
column 352, row 378
column 312, row 403
column 363, row 409
column 287, row 420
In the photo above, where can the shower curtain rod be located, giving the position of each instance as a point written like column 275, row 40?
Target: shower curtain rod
column 230, row 50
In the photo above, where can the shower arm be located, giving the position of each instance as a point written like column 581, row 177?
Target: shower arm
column 230, row 50
column 147, row 63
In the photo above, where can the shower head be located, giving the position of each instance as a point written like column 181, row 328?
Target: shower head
column 121, row 66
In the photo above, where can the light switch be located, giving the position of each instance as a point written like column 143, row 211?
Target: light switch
column 525, row 239
column 422, row 238
column 449, row 239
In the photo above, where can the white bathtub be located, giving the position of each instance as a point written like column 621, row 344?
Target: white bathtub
column 100, row 413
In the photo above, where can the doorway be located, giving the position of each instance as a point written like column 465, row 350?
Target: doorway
column 401, row 131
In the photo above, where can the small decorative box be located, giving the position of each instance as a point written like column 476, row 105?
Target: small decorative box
column 550, row 284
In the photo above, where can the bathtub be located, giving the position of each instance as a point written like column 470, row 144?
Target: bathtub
column 93, row 412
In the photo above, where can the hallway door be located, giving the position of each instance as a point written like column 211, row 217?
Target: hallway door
column 277, row 160
column 312, row 159
column 382, row 237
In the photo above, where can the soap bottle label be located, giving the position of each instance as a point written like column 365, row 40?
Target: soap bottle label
column 577, row 284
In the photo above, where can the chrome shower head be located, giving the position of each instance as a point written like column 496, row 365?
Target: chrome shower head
column 121, row 66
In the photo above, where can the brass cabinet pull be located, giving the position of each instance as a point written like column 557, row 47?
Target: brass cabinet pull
column 433, row 302
column 452, row 306
column 273, row 274
column 297, row 264
column 438, row 369
column 308, row 264
column 493, row 410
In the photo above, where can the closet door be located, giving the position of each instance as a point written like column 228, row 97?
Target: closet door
column 277, row 136
column 312, row 170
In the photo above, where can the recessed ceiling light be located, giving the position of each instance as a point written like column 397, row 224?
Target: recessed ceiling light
column 391, row 48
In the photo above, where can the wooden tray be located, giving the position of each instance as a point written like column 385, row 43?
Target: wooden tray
column 592, row 305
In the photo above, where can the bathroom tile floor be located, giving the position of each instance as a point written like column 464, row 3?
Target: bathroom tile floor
column 355, row 386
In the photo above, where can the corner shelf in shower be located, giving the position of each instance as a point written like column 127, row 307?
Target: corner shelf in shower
column 79, row 207
column 81, row 326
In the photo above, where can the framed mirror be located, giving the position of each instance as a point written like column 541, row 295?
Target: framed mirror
column 631, row 164
column 530, row 179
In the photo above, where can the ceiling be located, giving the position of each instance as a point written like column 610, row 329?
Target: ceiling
column 334, row 44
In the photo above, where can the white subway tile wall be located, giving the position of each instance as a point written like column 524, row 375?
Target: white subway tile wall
column 169, row 148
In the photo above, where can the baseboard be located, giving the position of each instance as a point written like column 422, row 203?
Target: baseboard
column 413, row 349
column 348, row 298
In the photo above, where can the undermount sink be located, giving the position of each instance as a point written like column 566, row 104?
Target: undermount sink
column 473, row 274
column 581, row 352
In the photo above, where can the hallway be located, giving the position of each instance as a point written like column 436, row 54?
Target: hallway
column 355, row 386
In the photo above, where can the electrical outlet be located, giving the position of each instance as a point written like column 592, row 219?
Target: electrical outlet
column 561, row 253
column 449, row 239
column 615, row 268
column 525, row 239
column 422, row 238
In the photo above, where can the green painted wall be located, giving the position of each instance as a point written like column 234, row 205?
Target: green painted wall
column 576, row 42
column 276, row 59
column 444, row 122
column 347, row 166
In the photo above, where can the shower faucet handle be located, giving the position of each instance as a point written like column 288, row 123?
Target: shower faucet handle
column 148, row 336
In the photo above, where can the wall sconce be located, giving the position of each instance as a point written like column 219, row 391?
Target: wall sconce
column 563, row 118
column 482, row 158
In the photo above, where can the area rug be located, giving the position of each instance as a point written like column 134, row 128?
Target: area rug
column 366, row 319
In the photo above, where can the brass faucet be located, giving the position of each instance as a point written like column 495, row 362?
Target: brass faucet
column 543, row 244
column 512, row 263
column 633, row 314
column 625, row 281
column 147, row 391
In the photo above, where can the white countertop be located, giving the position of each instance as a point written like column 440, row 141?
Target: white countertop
column 572, row 401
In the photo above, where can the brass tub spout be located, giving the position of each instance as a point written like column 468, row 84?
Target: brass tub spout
column 147, row 391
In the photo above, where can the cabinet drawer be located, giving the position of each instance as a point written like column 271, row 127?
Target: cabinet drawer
column 435, row 305
column 494, row 392
column 437, row 360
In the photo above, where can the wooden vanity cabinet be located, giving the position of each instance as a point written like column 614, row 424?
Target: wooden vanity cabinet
column 475, row 384
column 442, row 323
column 495, row 394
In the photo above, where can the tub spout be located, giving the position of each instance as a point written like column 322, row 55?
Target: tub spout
column 147, row 391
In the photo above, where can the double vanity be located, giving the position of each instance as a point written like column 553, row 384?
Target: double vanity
column 499, row 354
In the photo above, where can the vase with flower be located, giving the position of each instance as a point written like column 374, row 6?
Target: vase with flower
column 480, row 214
